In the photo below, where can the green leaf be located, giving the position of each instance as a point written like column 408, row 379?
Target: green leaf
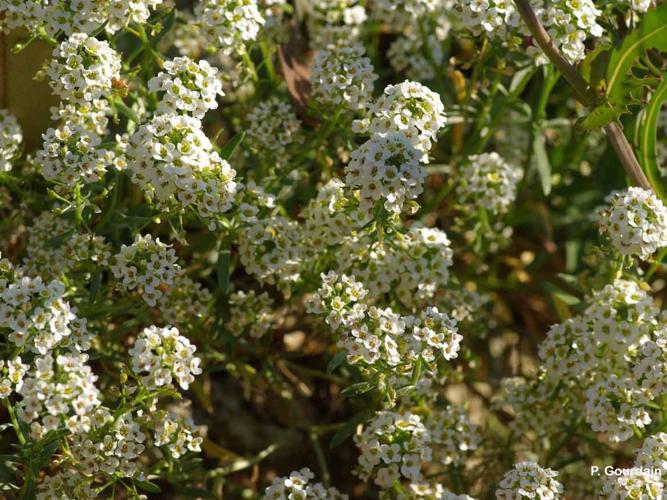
column 347, row 429
column 601, row 116
column 593, row 67
column 148, row 486
column 542, row 161
column 358, row 389
column 336, row 361
column 650, row 34
column 648, row 135
column 126, row 111
column 228, row 149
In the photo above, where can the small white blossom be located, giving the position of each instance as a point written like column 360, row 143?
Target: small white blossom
column 160, row 355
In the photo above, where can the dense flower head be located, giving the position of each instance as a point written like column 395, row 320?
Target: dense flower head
column 640, row 484
column 343, row 76
column 425, row 252
column 298, row 485
column 11, row 137
column 12, row 372
column 35, row 313
column 488, row 181
column 653, row 452
column 272, row 128
column 250, row 313
column 81, row 16
column 335, row 22
column 59, row 389
column 529, row 480
column 399, row 13
column 385, row 168
column 187, row 86
column 176, row 432
column 160, row 355
column 568, row 23
column 392, row 446
column 172, row 159
column 269, row 250
column 380, row 338
column 410, row 108
column 608, row 352
column 83, row 69
column 112, row 446
column 145, row 265
column 454, row 437
column 635, row 221
column 229, row 24
column 72, row 153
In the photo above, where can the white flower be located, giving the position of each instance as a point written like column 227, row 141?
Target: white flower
column 392, row 445
column 409, row 108
column 162, row 354
column 343, row 76
column 187, row 87
column 229, row 24
column 487, row 181
column 635, row 221
column 145, row 265
column 529, row 480
column 10, row 140
column 386, row 167
column 83, row 69
column 171, row 158
column 272, row 127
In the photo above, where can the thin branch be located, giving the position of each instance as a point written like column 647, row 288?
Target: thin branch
column 584, row 94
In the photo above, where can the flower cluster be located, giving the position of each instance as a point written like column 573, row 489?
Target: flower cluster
column 176, row 432
column 335, row 22
column 529, row 480
column 569, row 23
column 298, row 485
column 10, row 139
column 145, row 265
column 160, row 355
column 83, row 16
column 250, row 314
column 83, row 69
column 272, row 127
column 73, row 153
column 343, row 76
column 453, row 435
column 229, row 24
column 59, row 390
column 635, row 222
column 488, row 182
column 409, row 108
column 380, row 337
column 386, row 167
column 393, row 445
column 11, row 376
column 35, row 313
column 269, row 249
column 171, row 158
column 187, row 87
column 602, row 351
column 426, row 252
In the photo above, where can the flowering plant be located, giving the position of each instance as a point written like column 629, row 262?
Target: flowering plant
column 331, row 249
